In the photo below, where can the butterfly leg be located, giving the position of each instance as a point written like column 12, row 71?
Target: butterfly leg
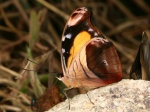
column 70, row 93
column 86, row 91
column 65, row 93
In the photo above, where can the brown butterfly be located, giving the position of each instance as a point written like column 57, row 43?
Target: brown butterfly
column 140, row 68
column 88, row 59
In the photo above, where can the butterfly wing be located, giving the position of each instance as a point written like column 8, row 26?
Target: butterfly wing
column 140, row 68
column 88, row 60
column 97, row 64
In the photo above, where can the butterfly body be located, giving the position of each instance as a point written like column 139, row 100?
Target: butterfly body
column 88, row 59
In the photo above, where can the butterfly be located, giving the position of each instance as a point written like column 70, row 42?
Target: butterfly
column 140, row 68
column 88, row 58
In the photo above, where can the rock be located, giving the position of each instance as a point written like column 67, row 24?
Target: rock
column 124, row 96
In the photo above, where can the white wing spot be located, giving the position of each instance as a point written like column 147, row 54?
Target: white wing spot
column 63, row 50
column 95, row 34
column 90, row 29
column 68, row 36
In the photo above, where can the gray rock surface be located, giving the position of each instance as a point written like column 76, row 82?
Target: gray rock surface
column 124, row 96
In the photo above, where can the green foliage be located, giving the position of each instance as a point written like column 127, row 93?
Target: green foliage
column 34, row 28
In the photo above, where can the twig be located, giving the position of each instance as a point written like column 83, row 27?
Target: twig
column 12, row 27
column 12, row 108
column 54, row 9
column 123, row 9
column 7, row 29
column 143, row 5
column 8, row 71
column 6, row 4
column 21, row 10
column 8, row 82
column 14, row 14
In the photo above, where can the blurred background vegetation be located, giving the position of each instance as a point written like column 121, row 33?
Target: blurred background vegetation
column 30, row 43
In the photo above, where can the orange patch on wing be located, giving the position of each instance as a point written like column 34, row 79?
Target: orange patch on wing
column 78, row 43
